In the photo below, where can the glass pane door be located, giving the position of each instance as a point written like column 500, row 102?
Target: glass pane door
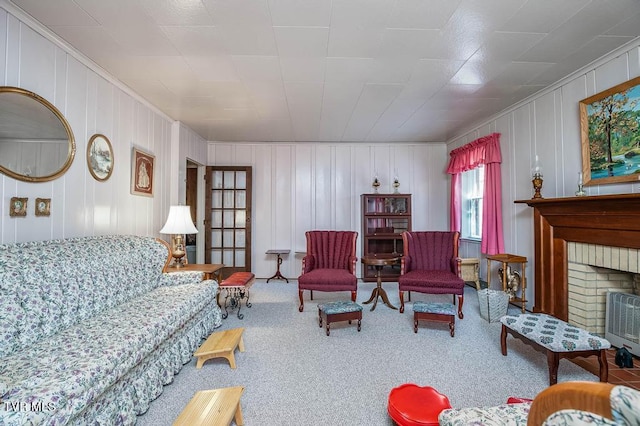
column 228, row 239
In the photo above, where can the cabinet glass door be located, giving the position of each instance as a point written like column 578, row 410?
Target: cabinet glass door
column 228, row 239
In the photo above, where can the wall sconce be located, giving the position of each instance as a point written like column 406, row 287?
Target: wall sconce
column 178, row 223
column 536, row 172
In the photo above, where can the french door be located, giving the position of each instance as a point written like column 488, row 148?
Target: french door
column 228, row 218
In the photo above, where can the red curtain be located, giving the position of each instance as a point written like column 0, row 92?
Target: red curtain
column 485, row 151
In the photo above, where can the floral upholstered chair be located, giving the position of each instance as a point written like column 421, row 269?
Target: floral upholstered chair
column 330, row 263
column 577, row 403
column 430, row 264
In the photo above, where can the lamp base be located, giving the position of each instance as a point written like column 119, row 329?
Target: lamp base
column 537, row 186
column 178, row 262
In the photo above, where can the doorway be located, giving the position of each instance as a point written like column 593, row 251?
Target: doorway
column 228, row 218
column 191, row 200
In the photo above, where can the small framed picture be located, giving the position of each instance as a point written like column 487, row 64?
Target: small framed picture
column 43, row 206
column 18, row 207
column 142, row 173
column 100, row 157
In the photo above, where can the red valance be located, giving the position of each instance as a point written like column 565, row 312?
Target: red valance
column 484, row 150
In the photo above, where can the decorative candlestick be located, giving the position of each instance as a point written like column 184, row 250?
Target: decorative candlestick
column 580, row 192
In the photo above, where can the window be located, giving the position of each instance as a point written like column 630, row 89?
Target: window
column 472, row 190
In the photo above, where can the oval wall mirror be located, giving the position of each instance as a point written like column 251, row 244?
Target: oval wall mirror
column 36, row 141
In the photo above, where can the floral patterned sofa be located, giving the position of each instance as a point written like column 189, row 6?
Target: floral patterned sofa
column 91, row 328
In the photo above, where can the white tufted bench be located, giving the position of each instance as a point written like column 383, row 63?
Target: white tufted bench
column 557, row 338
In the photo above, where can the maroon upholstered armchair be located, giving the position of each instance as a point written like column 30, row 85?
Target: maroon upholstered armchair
column 330, row 263
column 430, row 264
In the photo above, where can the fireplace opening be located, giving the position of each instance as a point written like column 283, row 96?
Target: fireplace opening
column 593, row 271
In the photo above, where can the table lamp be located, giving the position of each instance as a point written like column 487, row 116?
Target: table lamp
column 178, row 223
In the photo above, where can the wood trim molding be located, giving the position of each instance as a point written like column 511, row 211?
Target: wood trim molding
column 608, row 220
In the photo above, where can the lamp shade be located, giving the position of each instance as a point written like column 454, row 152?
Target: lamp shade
column 179, row 221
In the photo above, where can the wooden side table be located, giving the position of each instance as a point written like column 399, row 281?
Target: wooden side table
column 278, row 253
column 211, row 270
column 379, row 262
column 506, row 259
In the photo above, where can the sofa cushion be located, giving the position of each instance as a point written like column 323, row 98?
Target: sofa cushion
column 47, row 286
column 78, row 364
column 499, row 415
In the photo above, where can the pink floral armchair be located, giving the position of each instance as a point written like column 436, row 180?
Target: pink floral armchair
column 330, row 263
column 430, row 264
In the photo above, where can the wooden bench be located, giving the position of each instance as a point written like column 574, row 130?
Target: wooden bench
column 236, row 288
column 557, row 339
column 221, row 344
column 213, row 407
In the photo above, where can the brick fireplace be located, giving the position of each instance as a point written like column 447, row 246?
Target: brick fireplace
column 593, row 270
column 599, row 224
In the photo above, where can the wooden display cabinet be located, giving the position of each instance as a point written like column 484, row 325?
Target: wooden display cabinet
column 384, row 218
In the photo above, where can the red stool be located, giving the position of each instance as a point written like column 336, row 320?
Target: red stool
column 412, row 405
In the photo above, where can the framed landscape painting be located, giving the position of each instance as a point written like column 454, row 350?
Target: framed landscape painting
column 610, row 133
column 100, row 157
column 142, row 173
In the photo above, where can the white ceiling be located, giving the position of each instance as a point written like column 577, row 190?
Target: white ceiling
column 338, row 70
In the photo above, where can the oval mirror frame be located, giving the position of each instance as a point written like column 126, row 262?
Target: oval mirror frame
column 36, row 127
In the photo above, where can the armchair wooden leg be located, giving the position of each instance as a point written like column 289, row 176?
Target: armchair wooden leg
column 460, row 302
column 354, row 294
column 401, row 293
column 301, row 307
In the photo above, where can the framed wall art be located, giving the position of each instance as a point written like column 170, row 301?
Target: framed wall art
column 18, row 207
column 142, row 165
column 610, row 133
column 43, row 206
column 100, row 157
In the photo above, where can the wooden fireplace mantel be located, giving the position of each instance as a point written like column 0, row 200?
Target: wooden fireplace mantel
column 608, row 220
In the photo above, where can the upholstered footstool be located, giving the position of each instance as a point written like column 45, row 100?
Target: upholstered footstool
column 440, row 312
column 557, row 339
column 413, row 405
column 339, row 311
column 236, row 288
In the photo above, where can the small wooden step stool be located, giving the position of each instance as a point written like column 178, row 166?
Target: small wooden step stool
column 221, row 344
column 213, row 407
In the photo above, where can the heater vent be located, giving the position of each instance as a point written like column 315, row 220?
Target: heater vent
column 623, row 321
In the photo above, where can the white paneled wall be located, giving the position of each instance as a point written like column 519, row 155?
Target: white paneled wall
column 305, row 186
column 92, row 103
column 547, row 125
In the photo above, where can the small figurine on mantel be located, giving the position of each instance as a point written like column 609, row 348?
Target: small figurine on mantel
column 375, row 184
column 513, row 281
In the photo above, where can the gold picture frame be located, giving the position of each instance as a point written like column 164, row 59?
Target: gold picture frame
column 100, row 157
column 142, row 168
column 43, row 206
column 609, row 129
column 18, row 207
